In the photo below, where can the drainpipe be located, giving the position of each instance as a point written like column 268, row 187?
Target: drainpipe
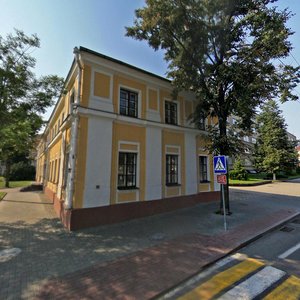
column 74, row 134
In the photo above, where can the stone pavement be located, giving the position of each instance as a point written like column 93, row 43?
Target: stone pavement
column 138, row 259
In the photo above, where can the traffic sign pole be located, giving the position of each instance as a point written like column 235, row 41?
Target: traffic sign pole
column 227, row 185
column 221, row 167
column 224, row 208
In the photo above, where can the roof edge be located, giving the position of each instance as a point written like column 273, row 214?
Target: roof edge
column 122, row 63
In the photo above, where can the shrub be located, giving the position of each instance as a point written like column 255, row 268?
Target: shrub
column 22, row 171
column 238, row 172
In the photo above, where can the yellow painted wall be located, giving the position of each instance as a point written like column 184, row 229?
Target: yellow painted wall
column 128, row 133
column 129, row 83
column 204, row 187
column 166, row 95
column 173, row 138
column 40, row 168
column 163, row 95
column 101, row 85
column 181, row 110
column 86, row 85
column 172, row 191
column 54, row 156
column 153, row 99
column 80, row 162
column 127, row 196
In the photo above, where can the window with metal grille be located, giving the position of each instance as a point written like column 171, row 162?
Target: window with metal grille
column 203, row 168
column 128, row 103
column 171, row 169
column 127, row 170
column 171, row 112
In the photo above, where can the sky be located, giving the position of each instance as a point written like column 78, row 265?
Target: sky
column 100, row 26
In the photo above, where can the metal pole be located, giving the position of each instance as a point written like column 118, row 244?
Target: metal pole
column 224, row 208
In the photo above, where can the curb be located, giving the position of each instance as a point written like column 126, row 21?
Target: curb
column 269, row 229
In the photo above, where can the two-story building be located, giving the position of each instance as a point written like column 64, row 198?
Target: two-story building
column 118, row 146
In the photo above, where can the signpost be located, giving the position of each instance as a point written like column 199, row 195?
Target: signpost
column 220, row 168
column 222, row 179
column 220, row 165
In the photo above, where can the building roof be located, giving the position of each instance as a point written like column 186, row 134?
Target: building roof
column 122, row 63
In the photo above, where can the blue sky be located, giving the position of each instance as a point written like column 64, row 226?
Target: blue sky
column 99, row 25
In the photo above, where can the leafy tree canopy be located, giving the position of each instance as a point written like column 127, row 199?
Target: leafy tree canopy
column 274, row 152
column 23, row 97
column 225, row 51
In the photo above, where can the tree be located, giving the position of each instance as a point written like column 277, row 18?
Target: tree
column 225, row 52
column 23, row 97
column 273, row 150
column 238, row 172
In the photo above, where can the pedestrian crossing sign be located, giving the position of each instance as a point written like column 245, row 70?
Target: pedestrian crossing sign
column 220, row 164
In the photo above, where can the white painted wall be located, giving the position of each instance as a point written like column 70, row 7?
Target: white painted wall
column 190, row 163
column 153, row 115
column 101, row 104
column 153, row 163
column 98, row 167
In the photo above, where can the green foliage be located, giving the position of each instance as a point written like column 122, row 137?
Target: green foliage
column 238, row 172
column 23, row 97
column 273, row 150
column 22, row 171
column 225, row 52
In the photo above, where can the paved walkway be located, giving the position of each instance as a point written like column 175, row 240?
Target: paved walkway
column 132, row 260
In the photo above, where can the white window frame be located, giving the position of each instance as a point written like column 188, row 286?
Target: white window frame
column 137, row 162
column 178, row 153
column 178, row 110
column 139, row 101
column 208, row 168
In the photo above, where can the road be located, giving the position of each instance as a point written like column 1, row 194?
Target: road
column 268, row 268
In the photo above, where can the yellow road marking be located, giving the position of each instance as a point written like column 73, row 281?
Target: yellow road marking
column 222, row 280
column 288, row 290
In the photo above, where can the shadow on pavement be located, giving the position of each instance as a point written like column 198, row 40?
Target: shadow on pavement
column 114, row 256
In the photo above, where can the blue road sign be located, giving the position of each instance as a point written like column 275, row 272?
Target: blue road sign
column 220, row 164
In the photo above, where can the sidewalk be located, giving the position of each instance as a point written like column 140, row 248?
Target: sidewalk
column 138, row 259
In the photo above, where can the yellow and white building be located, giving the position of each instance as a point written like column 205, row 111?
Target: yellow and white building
column 118, row 146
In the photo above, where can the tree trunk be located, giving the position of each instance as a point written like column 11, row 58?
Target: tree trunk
column 274, row 176
column 7, row 173
column 224, row 151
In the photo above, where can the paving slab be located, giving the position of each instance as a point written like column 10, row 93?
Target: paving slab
column 137, row 259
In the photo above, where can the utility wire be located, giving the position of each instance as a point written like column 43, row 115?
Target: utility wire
column 295, row 59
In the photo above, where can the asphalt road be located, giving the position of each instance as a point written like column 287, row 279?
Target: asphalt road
column 268, row 268
column 280, row 248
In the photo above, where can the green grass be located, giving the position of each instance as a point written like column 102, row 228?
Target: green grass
column 294, row 176
column 2, row 194
column 250, row 181
column 14, row 184
column 258, row 178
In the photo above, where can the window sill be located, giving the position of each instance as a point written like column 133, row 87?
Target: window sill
column 129, row 116
column 127, row 188
column 172, row 184
column 172, row 124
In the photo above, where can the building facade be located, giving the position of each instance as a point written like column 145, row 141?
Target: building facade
column 118, row 146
